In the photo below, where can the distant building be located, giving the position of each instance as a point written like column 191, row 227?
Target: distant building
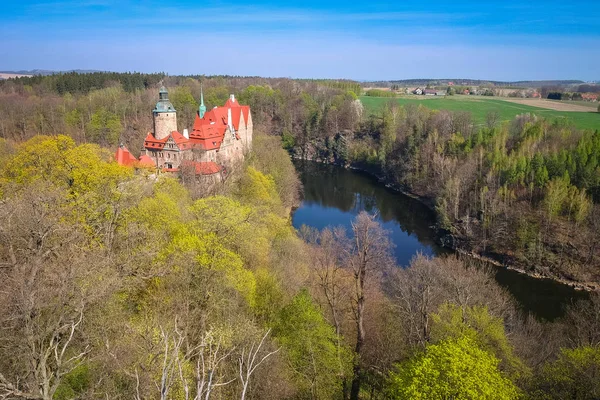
column 219, row 138
column 429, row 92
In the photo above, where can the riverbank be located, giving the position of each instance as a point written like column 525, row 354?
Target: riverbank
column 447, row 240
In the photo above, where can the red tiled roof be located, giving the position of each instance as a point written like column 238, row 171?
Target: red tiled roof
column 231, row 103
column 124, row 157
column 218, row 115
column 236, row 110
column 203, row 167
column 146, row 161
column 158, row 144
column 235, row 117
column 246, row 113
column 178, row 138
column 207, row 132
column 207, row 137
column 153, row 143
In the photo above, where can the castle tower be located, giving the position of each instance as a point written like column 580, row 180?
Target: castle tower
column 202, row 108
column 165, row 116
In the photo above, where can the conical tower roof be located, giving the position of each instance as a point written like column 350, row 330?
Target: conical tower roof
column 163, row 105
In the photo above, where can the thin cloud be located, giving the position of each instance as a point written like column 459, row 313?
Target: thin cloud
column 62, row 6
column 327, row 40
column 169, row 16
column 329, row 57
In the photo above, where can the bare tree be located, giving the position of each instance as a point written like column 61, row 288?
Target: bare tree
column 417, row 293
column 420, row 289
column 582, row 322
column 328, row 268
column 492, row 118
column 171, row 344
column 368, row 254
column 249, row 360
column 209, row 356
column 47, row 265
column 334, row 284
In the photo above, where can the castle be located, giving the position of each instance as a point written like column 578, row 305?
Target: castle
column 219, row 138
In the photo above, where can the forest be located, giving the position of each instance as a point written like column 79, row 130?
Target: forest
column 523, row 192
column 121, row 284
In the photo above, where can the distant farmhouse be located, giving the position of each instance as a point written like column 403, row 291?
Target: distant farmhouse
column 429, row 92
column 219, row 139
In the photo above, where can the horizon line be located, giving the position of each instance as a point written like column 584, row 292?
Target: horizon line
column 91, row 71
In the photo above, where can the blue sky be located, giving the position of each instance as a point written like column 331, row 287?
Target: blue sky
column 500, row 40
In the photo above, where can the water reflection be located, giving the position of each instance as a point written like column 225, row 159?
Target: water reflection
column 334, row 196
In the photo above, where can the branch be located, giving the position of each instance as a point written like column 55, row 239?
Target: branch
column 11, row 391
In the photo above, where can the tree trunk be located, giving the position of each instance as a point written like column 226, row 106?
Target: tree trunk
column 360, row 337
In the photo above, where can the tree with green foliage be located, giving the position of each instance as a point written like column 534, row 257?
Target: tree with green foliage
column 310, row 345
column 104, row 127
column 454, row 322
column 269, row 157
column 451, row 369
column 574, row 375
column 380, row 93
column 186, row 105
column 557, row 192
column 215, row 96
column 259, row 189
column 263, row 100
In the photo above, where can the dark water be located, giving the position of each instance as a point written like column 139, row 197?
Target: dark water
column 334, row 196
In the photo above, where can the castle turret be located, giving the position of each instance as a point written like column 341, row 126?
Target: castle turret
column 165, row 116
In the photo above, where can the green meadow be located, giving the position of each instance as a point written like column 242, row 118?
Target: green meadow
column 479, row 107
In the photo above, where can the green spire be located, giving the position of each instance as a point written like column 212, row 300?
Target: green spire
column 202, row 108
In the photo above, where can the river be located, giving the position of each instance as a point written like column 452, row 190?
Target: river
column 333, row 196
